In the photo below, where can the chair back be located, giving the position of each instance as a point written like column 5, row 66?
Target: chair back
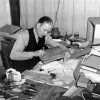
column 6, row 47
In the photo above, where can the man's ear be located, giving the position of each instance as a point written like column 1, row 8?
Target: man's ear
column 38, row 25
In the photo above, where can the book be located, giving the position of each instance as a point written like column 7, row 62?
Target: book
column 93, row 62
column 53, row 54
column 88, row 68
column 37, row 76
column 10, row 29
column 80, row 53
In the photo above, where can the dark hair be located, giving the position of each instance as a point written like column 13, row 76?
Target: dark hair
column 45, row 19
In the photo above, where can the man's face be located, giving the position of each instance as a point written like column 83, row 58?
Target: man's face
column 44, row 29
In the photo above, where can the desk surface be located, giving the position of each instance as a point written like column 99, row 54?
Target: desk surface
column 26, row 91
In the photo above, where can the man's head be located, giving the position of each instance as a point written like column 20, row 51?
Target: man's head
column 44, row 26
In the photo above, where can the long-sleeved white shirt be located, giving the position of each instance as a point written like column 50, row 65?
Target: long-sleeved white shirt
column 18, row 53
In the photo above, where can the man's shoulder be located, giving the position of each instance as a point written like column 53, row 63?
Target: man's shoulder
column 23, row 33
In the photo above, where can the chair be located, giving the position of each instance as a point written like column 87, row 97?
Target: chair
column 6, row 46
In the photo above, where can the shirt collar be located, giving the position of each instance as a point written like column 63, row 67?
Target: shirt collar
column 36, row 36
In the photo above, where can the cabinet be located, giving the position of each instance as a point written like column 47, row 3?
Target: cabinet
column 91, row 26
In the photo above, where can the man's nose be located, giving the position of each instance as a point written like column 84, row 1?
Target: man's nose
column 45, row 33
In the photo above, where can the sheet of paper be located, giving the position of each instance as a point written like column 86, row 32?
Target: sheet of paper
column 57, row 67
column 95, row 52
column 97, row 34
column 52, row 65
column 96, row 47
column 58, row 40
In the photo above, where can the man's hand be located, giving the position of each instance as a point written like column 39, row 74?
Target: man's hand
column 40, row 53
column 72, row 51
column 67, row 56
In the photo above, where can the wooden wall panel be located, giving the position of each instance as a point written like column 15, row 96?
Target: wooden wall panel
column 47, row 7
column 78, row 16
column 31, row 13
column 23, row 13
column 60, row 16
column 5, row 17
column 54, row 7
column 71, row 17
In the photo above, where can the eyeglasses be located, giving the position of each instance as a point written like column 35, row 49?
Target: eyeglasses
column 46, row 31
column 46, row 28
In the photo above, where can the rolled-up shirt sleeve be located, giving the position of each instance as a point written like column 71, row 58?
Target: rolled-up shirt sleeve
column 17, row 52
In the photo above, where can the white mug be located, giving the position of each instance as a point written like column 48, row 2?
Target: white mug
column 13, row 75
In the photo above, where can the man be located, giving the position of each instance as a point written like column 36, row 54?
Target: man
column 30, row 43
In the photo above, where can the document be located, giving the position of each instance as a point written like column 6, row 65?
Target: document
column 54, row 67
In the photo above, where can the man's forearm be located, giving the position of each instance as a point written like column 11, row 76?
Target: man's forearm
column 22, row 56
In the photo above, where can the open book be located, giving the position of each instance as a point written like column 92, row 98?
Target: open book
column 53, row 54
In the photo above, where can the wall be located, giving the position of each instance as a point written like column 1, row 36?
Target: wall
column 71, row 17
column 4, row 13
column 15, row 12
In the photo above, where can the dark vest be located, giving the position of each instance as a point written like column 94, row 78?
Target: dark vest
column 32, row 46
